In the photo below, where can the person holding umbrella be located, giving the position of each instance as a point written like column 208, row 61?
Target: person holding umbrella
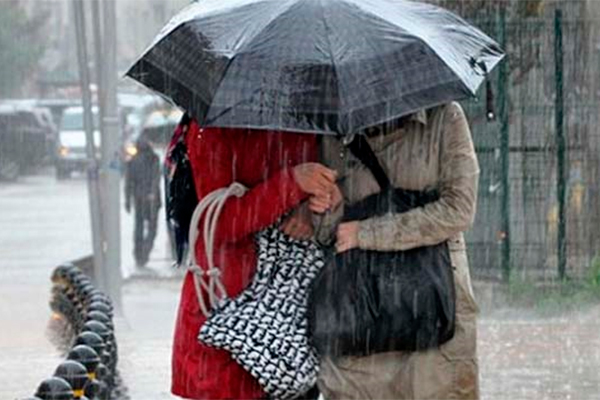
column 279, row 170
column 429, row 149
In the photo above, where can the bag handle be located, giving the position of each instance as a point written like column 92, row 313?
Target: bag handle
column 360, row 148
column 210, row 206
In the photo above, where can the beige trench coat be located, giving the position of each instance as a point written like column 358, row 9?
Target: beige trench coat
column 433, row 149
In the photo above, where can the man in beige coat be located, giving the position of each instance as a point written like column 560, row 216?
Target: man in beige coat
column 431, row 149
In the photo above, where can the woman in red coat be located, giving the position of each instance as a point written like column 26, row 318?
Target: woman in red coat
column 278, row 169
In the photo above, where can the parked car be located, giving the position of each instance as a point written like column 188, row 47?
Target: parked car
column 26, row 133
column 71, row 144
column 57, row 107
column 48, row 113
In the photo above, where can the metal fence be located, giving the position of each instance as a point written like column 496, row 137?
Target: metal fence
column 538, row 211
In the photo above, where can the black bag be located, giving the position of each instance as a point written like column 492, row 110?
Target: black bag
column 366, row 302
column 181, row 194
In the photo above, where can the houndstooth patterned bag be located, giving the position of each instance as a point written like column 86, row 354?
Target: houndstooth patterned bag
column 265, row 328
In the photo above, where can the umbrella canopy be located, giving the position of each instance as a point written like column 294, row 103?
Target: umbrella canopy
column 320, row 66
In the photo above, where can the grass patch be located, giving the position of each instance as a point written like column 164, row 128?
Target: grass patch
column 557, row 297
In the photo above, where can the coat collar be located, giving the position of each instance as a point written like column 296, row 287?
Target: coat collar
column 416, row 120
column 420, row 117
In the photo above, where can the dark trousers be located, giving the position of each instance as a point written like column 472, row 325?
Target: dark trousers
column 146, row 218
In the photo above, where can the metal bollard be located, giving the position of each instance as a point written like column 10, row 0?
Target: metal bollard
column 54, row 389
column 100, row 329
column 102, row 372
column 87, row 357
column 78, row 299
column 83, row 291
column 75, row 374
column 74, row 272
column 87, row 291
column 102, row 307
column 60, row 274
column 100, row 317
column 79, row 282
column 70, row 287
column 74, row 276
column 79, row 286
column 102, row 378
column 102, row 298
column 109, row 340
column 96, row 342
column 96, row 388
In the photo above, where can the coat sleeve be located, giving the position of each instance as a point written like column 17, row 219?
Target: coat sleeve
column 261, row 206
column 451, row 214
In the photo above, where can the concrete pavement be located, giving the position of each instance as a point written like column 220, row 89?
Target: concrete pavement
column 145, row 336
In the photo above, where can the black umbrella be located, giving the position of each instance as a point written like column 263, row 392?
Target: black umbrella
column 322, row 66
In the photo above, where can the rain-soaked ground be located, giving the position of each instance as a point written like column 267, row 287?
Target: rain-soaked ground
column 44, row 222
column 527, row 357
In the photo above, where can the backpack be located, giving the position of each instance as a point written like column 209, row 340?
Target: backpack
column 181, row 197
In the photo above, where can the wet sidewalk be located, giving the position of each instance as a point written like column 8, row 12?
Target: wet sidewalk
column 529, row 357
column 145, row 336
column 522, row 356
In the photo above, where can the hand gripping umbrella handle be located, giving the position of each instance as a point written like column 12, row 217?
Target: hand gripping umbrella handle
column 210, row 206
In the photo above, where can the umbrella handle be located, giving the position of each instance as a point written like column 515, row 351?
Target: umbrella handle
column 490, row 109
column 480, row 68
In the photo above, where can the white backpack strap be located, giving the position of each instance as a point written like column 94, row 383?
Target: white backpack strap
column 211, row 206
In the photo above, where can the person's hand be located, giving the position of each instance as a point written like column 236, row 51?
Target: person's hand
column 347, row 236
column 321, row 205
column 315, row 179
column 298, row 225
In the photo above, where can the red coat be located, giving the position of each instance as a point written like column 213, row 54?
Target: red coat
column 261, row 161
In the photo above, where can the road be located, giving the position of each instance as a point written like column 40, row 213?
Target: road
column 44, row 222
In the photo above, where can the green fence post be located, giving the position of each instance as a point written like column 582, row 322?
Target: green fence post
column 503, row 94
column 561, row 184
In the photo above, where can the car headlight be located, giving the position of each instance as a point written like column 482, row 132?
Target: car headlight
column 63, row 151
column 131, row 150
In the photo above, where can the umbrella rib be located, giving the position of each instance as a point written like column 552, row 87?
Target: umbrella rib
column 239, row 51
column 333, row 64
column 413, row 21
column 274, row 18
column 424, row 43
column 209, row 104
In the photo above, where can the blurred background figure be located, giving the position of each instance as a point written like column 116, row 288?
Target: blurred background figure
column 142, row 185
